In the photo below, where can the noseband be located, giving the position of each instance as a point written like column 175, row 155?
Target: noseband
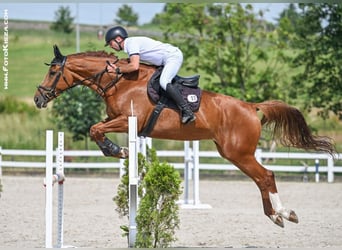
column 50, row 92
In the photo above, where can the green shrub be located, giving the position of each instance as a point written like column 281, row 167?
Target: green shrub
column 11, row 105
column 159, row 189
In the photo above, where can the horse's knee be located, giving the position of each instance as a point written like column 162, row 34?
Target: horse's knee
column 95, row 134
column 92, row 132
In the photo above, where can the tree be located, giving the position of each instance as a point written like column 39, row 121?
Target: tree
column 232, row 46
column 289, row 22
column 126, row 16
column 63, row 20
column 318, row 41
column 77, row 110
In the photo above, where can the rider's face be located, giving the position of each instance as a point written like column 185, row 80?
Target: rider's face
column 114, row 44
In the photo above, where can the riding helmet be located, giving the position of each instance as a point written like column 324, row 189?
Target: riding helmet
column 112, row 33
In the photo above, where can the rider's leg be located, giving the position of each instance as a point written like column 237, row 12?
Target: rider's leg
column 172, row 64
column 187, row 114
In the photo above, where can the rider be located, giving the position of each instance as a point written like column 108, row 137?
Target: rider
column 153, row 52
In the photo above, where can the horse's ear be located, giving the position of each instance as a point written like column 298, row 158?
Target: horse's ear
column 57, row 52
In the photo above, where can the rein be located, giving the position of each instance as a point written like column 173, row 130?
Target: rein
column 94, row 79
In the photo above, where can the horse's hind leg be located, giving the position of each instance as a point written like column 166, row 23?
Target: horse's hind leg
column 265, row 181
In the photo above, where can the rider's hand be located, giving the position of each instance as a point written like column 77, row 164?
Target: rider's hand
column 111, row 68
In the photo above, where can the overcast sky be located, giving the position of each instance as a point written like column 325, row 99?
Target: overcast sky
column 105, row 13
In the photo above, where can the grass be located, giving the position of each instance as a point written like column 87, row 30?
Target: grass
column 29, row 51
column 14, row 130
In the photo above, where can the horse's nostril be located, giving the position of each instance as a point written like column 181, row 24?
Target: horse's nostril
column 35, row 99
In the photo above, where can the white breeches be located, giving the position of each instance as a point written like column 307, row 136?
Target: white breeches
column 172, row 63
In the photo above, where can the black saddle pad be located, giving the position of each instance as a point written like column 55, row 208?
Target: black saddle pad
column 192, row 95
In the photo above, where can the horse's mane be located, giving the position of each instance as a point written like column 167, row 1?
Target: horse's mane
column 104, row 54
column 95, row 54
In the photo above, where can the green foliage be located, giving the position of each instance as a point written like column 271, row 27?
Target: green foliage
column 63, row 20
column 157, row 217
column 234, row 48
column 126, row 16
column 289, row 22
column 77, row 110
column 159, row 190
column 318, row 40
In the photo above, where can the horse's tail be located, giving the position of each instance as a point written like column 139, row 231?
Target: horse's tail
column 291, row 129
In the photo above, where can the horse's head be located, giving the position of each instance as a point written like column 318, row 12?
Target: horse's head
column 55, row 81
column 65, row 72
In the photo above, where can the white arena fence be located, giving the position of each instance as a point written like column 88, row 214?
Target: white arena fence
column 323, row 162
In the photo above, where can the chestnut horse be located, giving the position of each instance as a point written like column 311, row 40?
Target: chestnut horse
column 232, row 124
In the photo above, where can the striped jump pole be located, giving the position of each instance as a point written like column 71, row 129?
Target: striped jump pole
column 50, row 180
column 60, row 179
column 133, row 141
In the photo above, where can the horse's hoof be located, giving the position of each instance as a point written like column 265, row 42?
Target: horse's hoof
column 124, row 153
column 278, row 220
column 293, row 217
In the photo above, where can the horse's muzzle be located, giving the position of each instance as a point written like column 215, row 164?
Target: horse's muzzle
column 40, row 101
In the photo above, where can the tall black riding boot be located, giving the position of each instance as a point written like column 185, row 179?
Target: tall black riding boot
column 187, row 114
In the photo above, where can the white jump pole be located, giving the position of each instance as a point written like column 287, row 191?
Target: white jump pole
column 133, row 178
column 195, row 145
column 48, row 191
column 187, row 170
column 191, row 172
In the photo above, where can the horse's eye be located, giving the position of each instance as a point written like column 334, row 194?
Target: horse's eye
column 52, row 73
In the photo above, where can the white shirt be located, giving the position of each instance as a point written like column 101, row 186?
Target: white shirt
column 149, row 50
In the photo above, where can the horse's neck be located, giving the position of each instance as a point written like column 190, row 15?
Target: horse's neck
column 91, row 67
column 87, row 72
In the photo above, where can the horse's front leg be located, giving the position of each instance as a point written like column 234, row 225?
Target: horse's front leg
column 98, row 131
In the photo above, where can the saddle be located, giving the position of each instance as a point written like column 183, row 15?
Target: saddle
column 188, row 87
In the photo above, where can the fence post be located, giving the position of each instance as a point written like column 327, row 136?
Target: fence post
column 258, row 153
column 0, row 165
column 0, row 170
column 317, row 170
column 330, row 169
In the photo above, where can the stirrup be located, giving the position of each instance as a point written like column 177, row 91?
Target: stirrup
column 187, row 117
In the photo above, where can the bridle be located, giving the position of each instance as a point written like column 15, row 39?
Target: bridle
column 49, row 93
